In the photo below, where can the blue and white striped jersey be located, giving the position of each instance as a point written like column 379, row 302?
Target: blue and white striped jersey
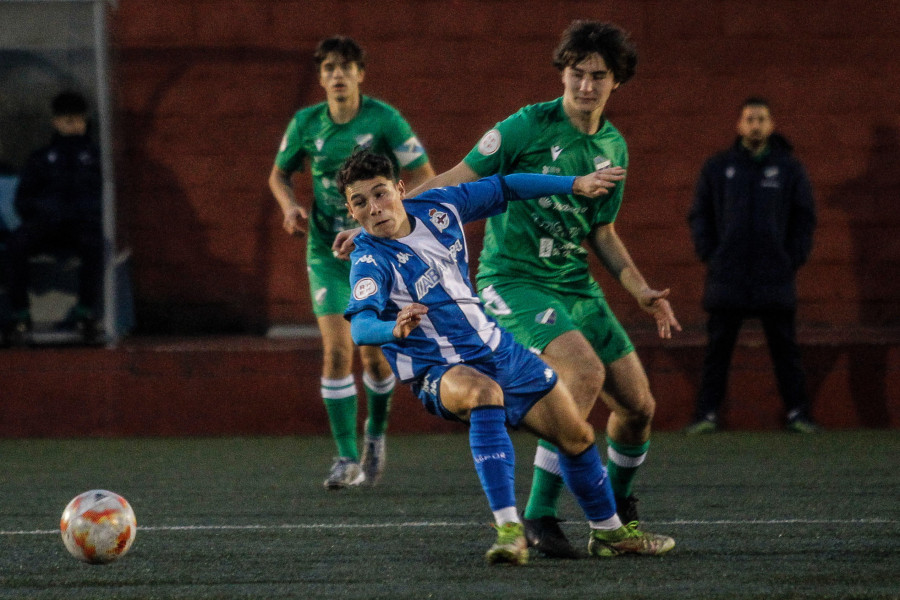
column 429, row 266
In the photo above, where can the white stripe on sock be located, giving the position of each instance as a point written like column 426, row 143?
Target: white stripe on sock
column 548, row 461
column 379, row 387
column 625, row 461
column 335, row 389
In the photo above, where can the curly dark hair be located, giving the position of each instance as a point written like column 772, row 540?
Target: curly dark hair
column 364, row 164
column 343, row 46
column 583, row 38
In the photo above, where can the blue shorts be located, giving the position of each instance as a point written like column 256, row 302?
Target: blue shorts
column 522, row 375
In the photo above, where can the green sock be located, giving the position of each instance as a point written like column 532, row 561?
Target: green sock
column 378, row 394
column 340, row 403
column 623, row 463
column 547, row 484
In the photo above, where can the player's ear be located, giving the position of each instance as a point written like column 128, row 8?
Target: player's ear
column 361, row 76
column 401, row 188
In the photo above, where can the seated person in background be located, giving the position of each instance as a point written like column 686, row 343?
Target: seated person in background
column 411, row 294
column 59, row 201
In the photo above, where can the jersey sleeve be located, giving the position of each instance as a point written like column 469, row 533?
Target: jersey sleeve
column 370, row 280
column 498, row 149
column 291, row 155
column 474, row 201
column 407, row 148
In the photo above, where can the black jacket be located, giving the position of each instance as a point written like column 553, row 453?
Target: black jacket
column 61, row 182
column 752, row 223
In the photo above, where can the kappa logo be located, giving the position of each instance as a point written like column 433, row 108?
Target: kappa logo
column 555, row 151
column 368, row 258
column 403, row 257
column 548, row 374
column 439, row 219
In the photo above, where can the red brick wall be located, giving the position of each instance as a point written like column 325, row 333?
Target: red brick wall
column 204, row 89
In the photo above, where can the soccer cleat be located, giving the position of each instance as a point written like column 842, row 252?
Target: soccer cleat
column 626, row 508
column 345, row 472
column 545, row 535
column 511, row 547
column 628, row 539
column 374, row 457
column 802, row 424
column 705, row 424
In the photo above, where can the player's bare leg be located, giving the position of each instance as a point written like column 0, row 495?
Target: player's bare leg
column 379, row 383
column 627, row 395
column 582, row 372
column 340, row 397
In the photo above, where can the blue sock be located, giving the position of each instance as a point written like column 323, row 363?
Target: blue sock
column 493, row 453
column 586, row 478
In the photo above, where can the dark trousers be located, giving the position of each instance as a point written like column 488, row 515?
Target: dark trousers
column 722, row 331
column 84, row 238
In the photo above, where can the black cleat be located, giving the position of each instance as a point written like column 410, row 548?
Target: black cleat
column 545, row 536
column 626, row 508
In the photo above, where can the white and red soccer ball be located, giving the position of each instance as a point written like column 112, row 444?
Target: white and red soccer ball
column 98, row 526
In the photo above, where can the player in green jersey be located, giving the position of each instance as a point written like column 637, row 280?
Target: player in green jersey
column 324, row 135
column 533, row 272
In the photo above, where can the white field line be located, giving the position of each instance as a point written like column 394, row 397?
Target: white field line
column 415, row 524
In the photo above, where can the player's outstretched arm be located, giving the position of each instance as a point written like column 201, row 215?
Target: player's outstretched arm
column 598, row 183
column 615, row 257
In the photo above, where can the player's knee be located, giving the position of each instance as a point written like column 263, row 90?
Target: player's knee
column 576, row 440
column 337, row 360
column 486, row 393
column 640, row 414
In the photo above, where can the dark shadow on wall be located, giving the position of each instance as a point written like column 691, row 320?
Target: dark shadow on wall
column 869, row 203
column 216, row 295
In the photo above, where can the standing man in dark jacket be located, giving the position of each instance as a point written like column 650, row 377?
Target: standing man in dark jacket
column 59, row 200
column 752, row 224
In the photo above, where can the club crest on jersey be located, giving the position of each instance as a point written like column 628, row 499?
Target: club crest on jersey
column 601, row 162
column 439, row 219
column 364, row 288
column 364, row 140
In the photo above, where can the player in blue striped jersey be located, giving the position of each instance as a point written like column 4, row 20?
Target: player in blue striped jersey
column 411, row 294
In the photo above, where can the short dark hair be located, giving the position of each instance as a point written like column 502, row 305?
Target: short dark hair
column 364, row 164
column 755, row 101
column 343, row 46
column 583, row 38
column 68, row 103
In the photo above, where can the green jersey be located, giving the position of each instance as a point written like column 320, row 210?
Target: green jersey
column 540, row 240
column 312, row 136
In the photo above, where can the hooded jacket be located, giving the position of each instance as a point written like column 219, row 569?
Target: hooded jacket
column 752, row 223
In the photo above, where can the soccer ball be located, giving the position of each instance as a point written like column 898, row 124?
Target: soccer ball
column 98, row 526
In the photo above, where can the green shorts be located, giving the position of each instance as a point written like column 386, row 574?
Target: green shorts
column 329, row 281
column 537, row 315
